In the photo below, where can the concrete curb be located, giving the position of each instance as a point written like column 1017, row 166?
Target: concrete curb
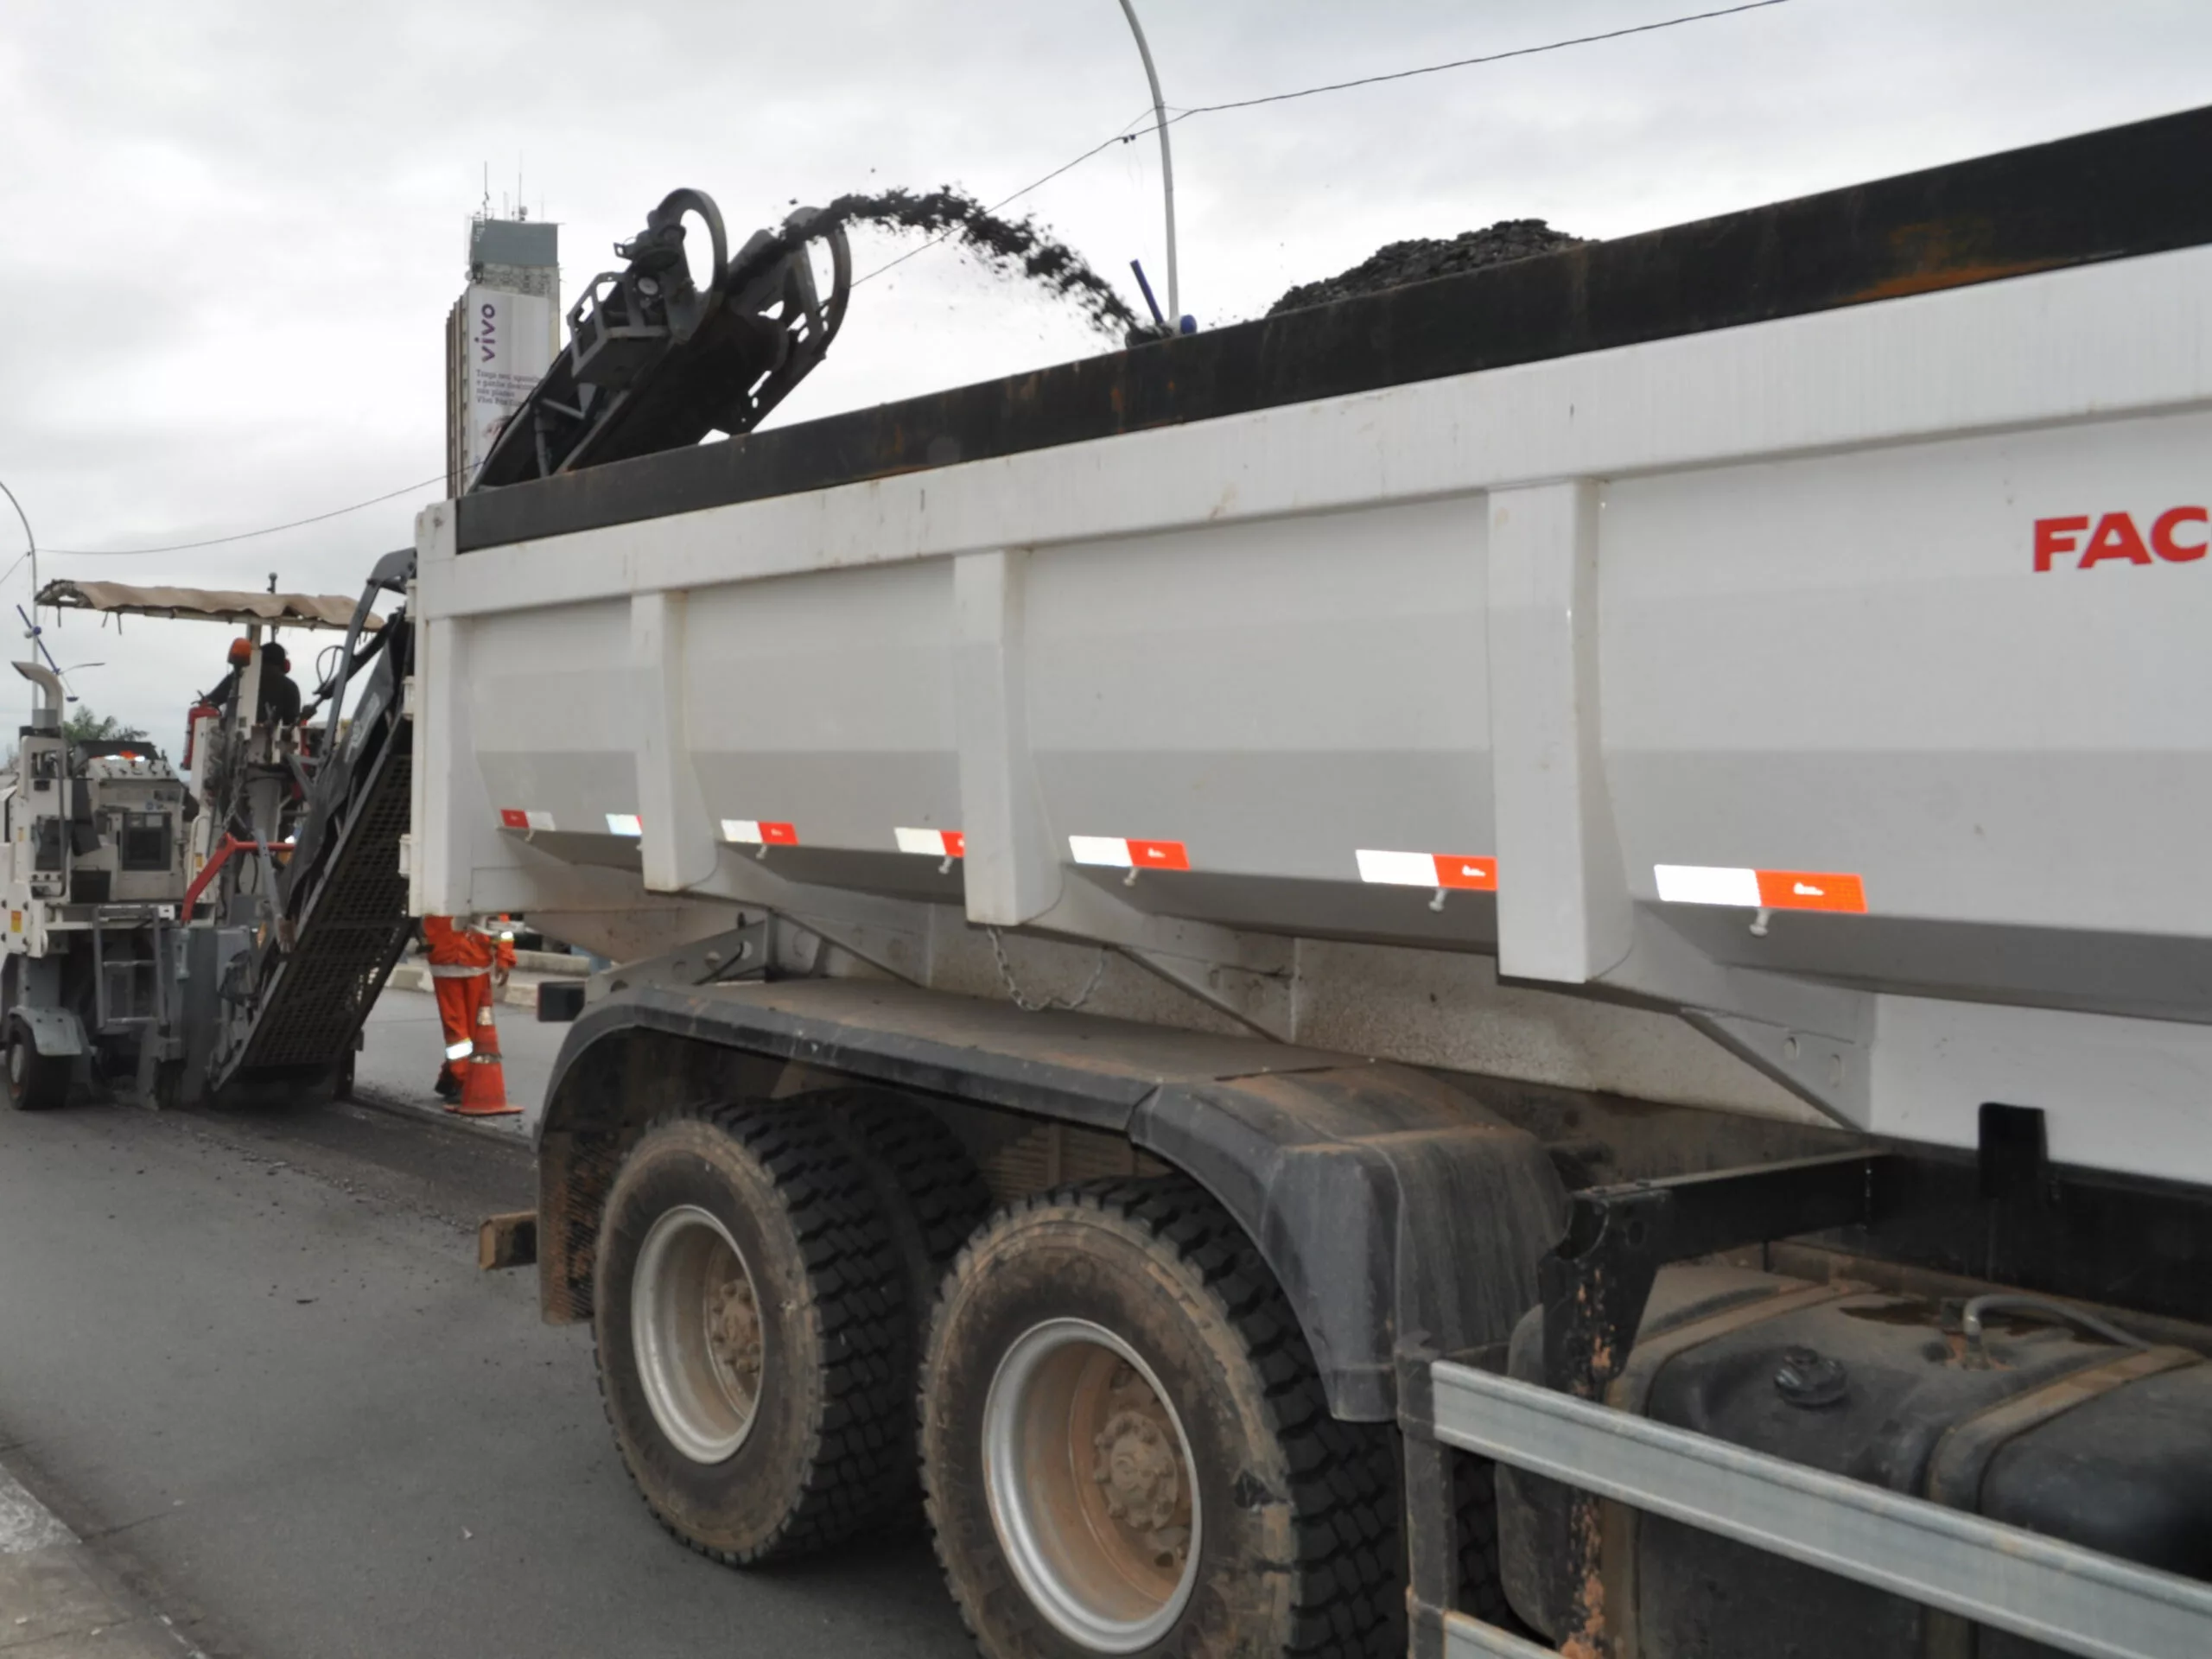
column 553, row 964
column 513, row 1132
column 521, row 991
column 60, row 1599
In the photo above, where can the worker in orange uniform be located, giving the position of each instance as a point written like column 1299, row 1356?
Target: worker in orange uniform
column 225, row 696
column 468, row 963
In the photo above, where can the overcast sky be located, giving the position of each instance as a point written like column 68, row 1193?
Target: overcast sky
column 230, row 231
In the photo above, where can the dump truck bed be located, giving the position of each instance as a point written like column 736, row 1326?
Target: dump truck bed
column 1760, row 664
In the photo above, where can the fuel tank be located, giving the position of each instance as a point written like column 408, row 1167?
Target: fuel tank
column 2038, row 1424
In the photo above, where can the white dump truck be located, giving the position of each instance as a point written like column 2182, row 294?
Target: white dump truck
column 1517, row 966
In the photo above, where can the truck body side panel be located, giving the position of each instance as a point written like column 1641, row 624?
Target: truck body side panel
column 1867, row 745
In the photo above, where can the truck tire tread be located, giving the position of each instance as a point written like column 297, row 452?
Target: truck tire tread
column 925, row 1163
column 855, row 1446
column 1481, row 1574
column 933, row 1200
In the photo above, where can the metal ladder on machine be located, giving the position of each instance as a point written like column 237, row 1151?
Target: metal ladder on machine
column 342, row 917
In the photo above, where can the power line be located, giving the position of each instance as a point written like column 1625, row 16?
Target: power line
column 1491, row 57
column 1126, row 136
column 243, row 534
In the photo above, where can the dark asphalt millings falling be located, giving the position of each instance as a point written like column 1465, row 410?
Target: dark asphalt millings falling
column 1399, row 263
column 1009, row 247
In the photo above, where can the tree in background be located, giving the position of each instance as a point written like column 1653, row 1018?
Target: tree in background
column 83, row 726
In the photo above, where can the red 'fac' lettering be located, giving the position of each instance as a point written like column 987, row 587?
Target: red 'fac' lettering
column 2116, row 540
column 2164, row 541
column 2054, row 537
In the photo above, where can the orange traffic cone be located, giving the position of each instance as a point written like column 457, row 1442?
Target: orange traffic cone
column 483, row 1088
column 483, row 1079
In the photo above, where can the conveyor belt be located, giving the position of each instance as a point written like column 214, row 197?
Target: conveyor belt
column 355, row 927
column 344, row 896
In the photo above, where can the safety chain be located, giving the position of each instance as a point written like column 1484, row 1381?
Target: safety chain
column 1051, row 1003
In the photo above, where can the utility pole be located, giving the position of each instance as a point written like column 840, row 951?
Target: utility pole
column 1167, row 164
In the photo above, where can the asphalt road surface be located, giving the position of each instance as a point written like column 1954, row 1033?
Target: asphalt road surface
column 249, row 1362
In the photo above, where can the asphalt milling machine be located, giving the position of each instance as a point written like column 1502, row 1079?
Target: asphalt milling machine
column 221, row 931
column 177, row 933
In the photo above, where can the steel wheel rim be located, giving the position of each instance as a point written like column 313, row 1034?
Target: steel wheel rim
column 1091, row 1485
column 695, row 1331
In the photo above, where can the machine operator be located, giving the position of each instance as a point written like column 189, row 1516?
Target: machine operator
column 279, row 700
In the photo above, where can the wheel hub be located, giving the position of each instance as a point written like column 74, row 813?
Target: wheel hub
column 1138, row 1469
column 733, row 1334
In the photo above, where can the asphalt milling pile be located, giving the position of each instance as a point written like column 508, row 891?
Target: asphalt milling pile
column 1397, row 263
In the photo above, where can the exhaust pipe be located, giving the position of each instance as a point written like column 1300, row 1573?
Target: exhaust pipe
column 46, row 717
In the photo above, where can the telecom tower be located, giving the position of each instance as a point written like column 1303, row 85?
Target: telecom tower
column 501, row 336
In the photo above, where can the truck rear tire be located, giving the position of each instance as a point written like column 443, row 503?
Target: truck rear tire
column 1126, row 1448
column 748, row 1313
column 932, row 1199
column 931, row 1196
column 36, row 1082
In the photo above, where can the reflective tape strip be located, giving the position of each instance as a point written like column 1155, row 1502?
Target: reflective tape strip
column 459, row 1050
column 624, row 823
column 937, row 843
column 752, row 832
column 442, row 970
column 1114, row 852
column 1745, row 889
column 516, row 817
column 1428, row 870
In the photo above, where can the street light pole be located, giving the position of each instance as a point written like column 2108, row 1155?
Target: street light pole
column 1167, row 164
column 29, row 535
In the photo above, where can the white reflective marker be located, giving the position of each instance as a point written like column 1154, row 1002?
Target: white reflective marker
column 1112, row 851
column 1397, row 869
column 1706, row 884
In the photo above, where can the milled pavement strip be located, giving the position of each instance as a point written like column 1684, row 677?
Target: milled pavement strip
column 55, row 1604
